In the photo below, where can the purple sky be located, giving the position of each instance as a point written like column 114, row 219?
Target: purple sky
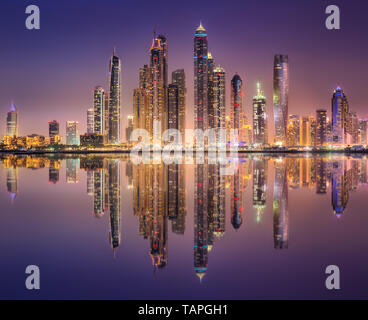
column 50, row 73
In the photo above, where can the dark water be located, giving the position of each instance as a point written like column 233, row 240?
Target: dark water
column 103, row 227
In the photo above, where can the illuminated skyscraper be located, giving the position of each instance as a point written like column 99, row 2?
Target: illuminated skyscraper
column 293, row 131
column 280, row 206
column 321, row 128
column 210, row 87
column 90, row 121
column 280, row 97
column 305, row 132
column 72, row 137
column 340, row 110
column 114, row 121
column 178, row 78
column 12, row 125
column 99, row 105
column 157, row 92
column 201, row 78
column 260, row 132
column 218, row 98
column 53, row 128
column 236, row 103
column 173, row 107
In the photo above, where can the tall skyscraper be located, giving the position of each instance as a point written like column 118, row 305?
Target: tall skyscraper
column 363, row 130
column 72, row 136
column 178, row 78
column 12, row 125
column 280, row 97
column 99, row 106
column 260, row 132
column 173, row 110
column 114, row 121
column 293, row 131
column 340, row 110
column 236, row 103
column 210, row 88
column 201, row 78
column 321, row 128
column 157, row 92
column 90, row 121
column 218, row 97
column 54, row 128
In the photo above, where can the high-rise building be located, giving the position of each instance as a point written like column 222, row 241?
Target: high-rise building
column 12, row 124
column 173, row 107
column 305, row 132
column 280, row 97
column 201, row 78
column 210, row 87
column 218, row 98
column 54, row 128
column 99, row 105
column 72, row 136
column 236, row 104
column 114, row 121
column 178, row 78
column 260, row 132
column 157, row 90
column 293, row 131
column 340, row 110
column 129, row 129
column 90, row 121
column 363, row 132
column 321, row 128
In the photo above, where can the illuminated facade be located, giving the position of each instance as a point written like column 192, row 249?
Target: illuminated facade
column 236, row 104
column 340, row 110
column 130, row 127
column 114, row 110
column 72, row 136
column 260, row 132
column 211, row 97
column 99, row 105
column 178, row 78
column 280, row 97
column 90, row 121
column 293, row 131
column 218, row 98
column 201, row 78
column 321, row 128
column 12, row 126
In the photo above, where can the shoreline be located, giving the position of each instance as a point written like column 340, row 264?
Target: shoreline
column 82, row 152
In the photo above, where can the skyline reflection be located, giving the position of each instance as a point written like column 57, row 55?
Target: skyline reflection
column 162, row 195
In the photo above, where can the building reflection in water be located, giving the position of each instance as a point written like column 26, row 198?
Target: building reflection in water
column 280, row 206
column 159, row 193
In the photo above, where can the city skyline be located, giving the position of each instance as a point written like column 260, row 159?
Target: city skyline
column 304, row 99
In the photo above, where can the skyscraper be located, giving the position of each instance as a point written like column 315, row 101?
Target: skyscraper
column 280, row 97
column 12, row 122
column 236, row 103
column 178, row 78
column 340, row 110
column 173, row 109
column 129, row 129
column 293, row 131
column 53, row 128
column 114, row 120
column 72, row 137
column 363, row 131
column 218, row 99
column 201, row 78
column 90, row 121
column 260, row 132
column 99, row 110
column 321, row 128
column 210, row 88
column 157, row 99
